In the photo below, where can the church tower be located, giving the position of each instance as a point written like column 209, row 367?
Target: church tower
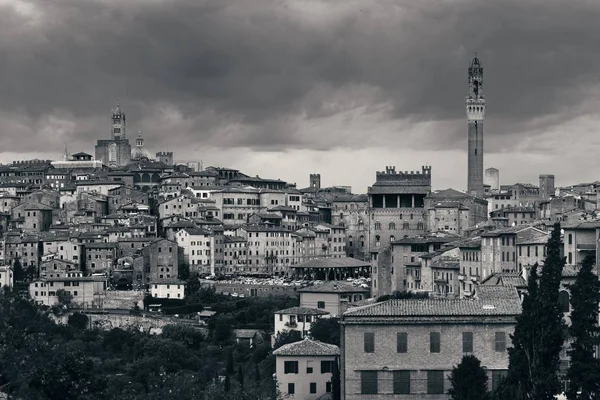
column 475, row 107
column 118, row 124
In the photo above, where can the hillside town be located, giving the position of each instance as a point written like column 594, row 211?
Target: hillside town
column 416, row 276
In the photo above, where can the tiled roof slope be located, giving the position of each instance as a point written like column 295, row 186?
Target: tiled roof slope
column 307, row 347
column 302, row 311
column 502, row 302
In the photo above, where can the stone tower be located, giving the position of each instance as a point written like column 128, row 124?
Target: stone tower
column 118, row 124
column 546, row 186
column 475, row 107
column 315, row 181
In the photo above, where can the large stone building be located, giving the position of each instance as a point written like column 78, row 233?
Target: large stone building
column 115, row 151
column 397, row 205
column 406, row 348
column 475, row 108
column 453, row 211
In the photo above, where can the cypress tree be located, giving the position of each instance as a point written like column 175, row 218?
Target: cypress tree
column 469, row 380
column 584, row 370
column 539, row 334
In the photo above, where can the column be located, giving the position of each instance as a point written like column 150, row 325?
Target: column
column 413, row 200
column 397, row 201
column 383, row 196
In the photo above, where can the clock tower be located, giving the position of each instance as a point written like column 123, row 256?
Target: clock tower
column 475, row 108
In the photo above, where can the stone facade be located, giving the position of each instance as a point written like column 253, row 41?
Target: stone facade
column 454, row 212
column 397, row 205
column 116, row 151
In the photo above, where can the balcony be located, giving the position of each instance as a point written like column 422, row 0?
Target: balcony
column 291, row 324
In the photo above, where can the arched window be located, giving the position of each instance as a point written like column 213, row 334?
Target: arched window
column 377, row 240
column 570, row 238
column 420, row 225
column 392, row 238
column 377, row 225
column 392, row 226
column 362, row 241
column 405, row 226
column 563, row 301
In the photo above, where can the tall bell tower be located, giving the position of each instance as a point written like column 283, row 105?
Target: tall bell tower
column 475, row 107
column 118, row 124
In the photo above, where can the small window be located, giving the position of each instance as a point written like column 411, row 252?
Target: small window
column 313, row 387
column 320, row 304
column 401, row 342
column 327, row 367
column 467, row 338
column 369, row 342
column 291, row 388
column 290, row 367
column 500, row 341
column 434, row 342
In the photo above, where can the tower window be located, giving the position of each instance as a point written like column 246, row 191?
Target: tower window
column 475, row 151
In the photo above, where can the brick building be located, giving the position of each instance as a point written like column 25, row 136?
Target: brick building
column 397, row 205
column 407, row 348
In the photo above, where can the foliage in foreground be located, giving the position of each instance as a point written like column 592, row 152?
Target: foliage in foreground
column 42, row 360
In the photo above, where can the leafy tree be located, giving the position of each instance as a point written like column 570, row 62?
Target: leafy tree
column 78, row 320
column 584, row 370
column 64, row 298
column 538, row 337
column 326, row 330
column 184, row 271
column 221, row 328
column 469, row 380
column 286, row 337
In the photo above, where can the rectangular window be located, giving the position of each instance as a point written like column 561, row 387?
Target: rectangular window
column 309, row 367
column 401, row 382
column 320, row 304
column 434, row 342
column 291, row 388
column 435, row 382
column 290, row 367
column 467, row 338
column 401, row 342
column 327, row 367
column 500, row 341
column 368, row 382
column 313, row 387
column 369, row 342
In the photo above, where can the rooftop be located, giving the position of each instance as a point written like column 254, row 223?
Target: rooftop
column 307, row 347
column 302, row 311
column 502, row 301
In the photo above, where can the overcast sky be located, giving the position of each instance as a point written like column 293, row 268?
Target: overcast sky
column 283, row 88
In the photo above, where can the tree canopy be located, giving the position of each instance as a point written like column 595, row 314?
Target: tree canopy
column 469, row 380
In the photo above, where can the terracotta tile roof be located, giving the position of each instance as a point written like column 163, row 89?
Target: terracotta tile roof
column 245, row 333
column 501, row 302
column 307, row 347
column 504, row 279
column 302, row 311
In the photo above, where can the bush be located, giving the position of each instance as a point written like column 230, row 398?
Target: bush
column 78, row 320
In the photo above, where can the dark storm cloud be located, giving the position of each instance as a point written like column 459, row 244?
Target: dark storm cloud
column 257, row 73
